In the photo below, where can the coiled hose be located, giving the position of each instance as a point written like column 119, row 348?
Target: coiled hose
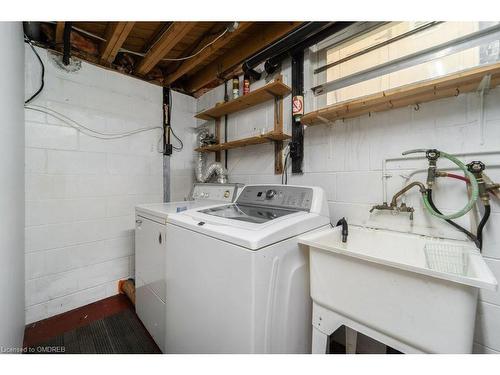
column 472, row 199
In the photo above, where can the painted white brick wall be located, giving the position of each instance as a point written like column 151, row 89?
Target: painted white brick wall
column 81, row 191
column 345, row 158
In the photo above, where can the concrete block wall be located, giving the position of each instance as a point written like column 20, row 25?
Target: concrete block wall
column 345, row 158
column 81, row 191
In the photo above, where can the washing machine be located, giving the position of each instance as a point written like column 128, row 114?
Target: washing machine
column 150, row 248
column 237, row 279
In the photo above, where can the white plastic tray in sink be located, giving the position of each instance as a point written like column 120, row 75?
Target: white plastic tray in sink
column 447, row 258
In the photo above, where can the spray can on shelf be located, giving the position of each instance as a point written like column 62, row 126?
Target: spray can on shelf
column 236, row 87
column 246, row 85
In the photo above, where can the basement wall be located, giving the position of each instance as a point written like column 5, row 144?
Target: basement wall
column 345, row 158
column 81, row 191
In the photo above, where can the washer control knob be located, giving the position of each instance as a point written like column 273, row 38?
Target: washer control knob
column 270, row 194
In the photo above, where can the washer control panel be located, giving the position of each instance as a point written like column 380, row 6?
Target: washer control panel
column 217, row 192
column 282, row 196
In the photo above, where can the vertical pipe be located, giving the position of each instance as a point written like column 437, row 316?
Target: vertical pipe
column 297, row 147
column 67, row 43
column 11, row 185
column 166, row 143
column 226, row 98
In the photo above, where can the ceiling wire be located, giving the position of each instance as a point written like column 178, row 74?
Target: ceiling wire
column 144, row 54
column 200, row 51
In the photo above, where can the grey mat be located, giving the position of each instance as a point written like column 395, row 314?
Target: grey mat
column 122, row 333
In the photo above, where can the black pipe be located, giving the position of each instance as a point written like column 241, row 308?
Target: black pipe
column 303, row 32
column 167, row 146
column 226, row 99
column 66, row 43
column 482, row 223
column 297, row 143
column 274, row 61
column 451, row 222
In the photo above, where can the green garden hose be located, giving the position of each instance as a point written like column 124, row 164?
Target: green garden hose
column 473, row 197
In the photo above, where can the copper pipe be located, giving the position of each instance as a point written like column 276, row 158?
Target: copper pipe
column 405, row 189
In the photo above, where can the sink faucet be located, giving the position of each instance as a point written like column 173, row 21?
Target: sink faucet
column 345, row 230
column 393, row 206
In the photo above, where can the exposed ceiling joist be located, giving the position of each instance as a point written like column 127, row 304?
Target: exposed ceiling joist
column 190, row 64
column 59, row 33
column 165, row 44
column 249, row 46
column 116, row 34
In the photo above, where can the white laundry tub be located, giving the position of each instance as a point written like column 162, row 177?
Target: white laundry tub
column 417, row 293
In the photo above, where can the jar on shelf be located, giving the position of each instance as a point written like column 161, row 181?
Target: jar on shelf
column 236, row 87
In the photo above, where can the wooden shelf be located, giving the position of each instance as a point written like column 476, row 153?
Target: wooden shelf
column 413, row 94
column 274, row 89
column 264, row 138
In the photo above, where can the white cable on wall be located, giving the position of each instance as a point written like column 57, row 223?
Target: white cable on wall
column 88, row 131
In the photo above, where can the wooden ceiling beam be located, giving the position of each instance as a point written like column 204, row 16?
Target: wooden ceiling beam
column 160, row 30
column 116, row 34
column 247, row 48
column 192, row 63
column 164, row 45
column 59, row 33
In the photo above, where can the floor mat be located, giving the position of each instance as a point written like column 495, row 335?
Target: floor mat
column 121, row 333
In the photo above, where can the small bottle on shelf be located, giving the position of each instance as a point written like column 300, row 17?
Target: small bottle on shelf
column 246, row 85
column 236, row 87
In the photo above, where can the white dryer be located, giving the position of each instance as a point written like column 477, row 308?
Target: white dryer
column 237, row 280
column 150, row 247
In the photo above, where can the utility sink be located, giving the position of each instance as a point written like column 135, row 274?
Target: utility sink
column 417, row 292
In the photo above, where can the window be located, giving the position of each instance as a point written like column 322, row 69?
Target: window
column 472, row 44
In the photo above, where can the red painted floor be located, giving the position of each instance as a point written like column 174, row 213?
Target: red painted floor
column 47, row 329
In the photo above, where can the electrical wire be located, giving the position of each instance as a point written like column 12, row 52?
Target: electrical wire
column 181, row 144
column 284, row 174
column 144, row 54
column 42, row 83
column 72, row 122
column 200, row 51
column 91, row 132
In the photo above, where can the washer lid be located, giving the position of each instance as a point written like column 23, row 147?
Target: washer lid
column 162, row 210
column 248, row 233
